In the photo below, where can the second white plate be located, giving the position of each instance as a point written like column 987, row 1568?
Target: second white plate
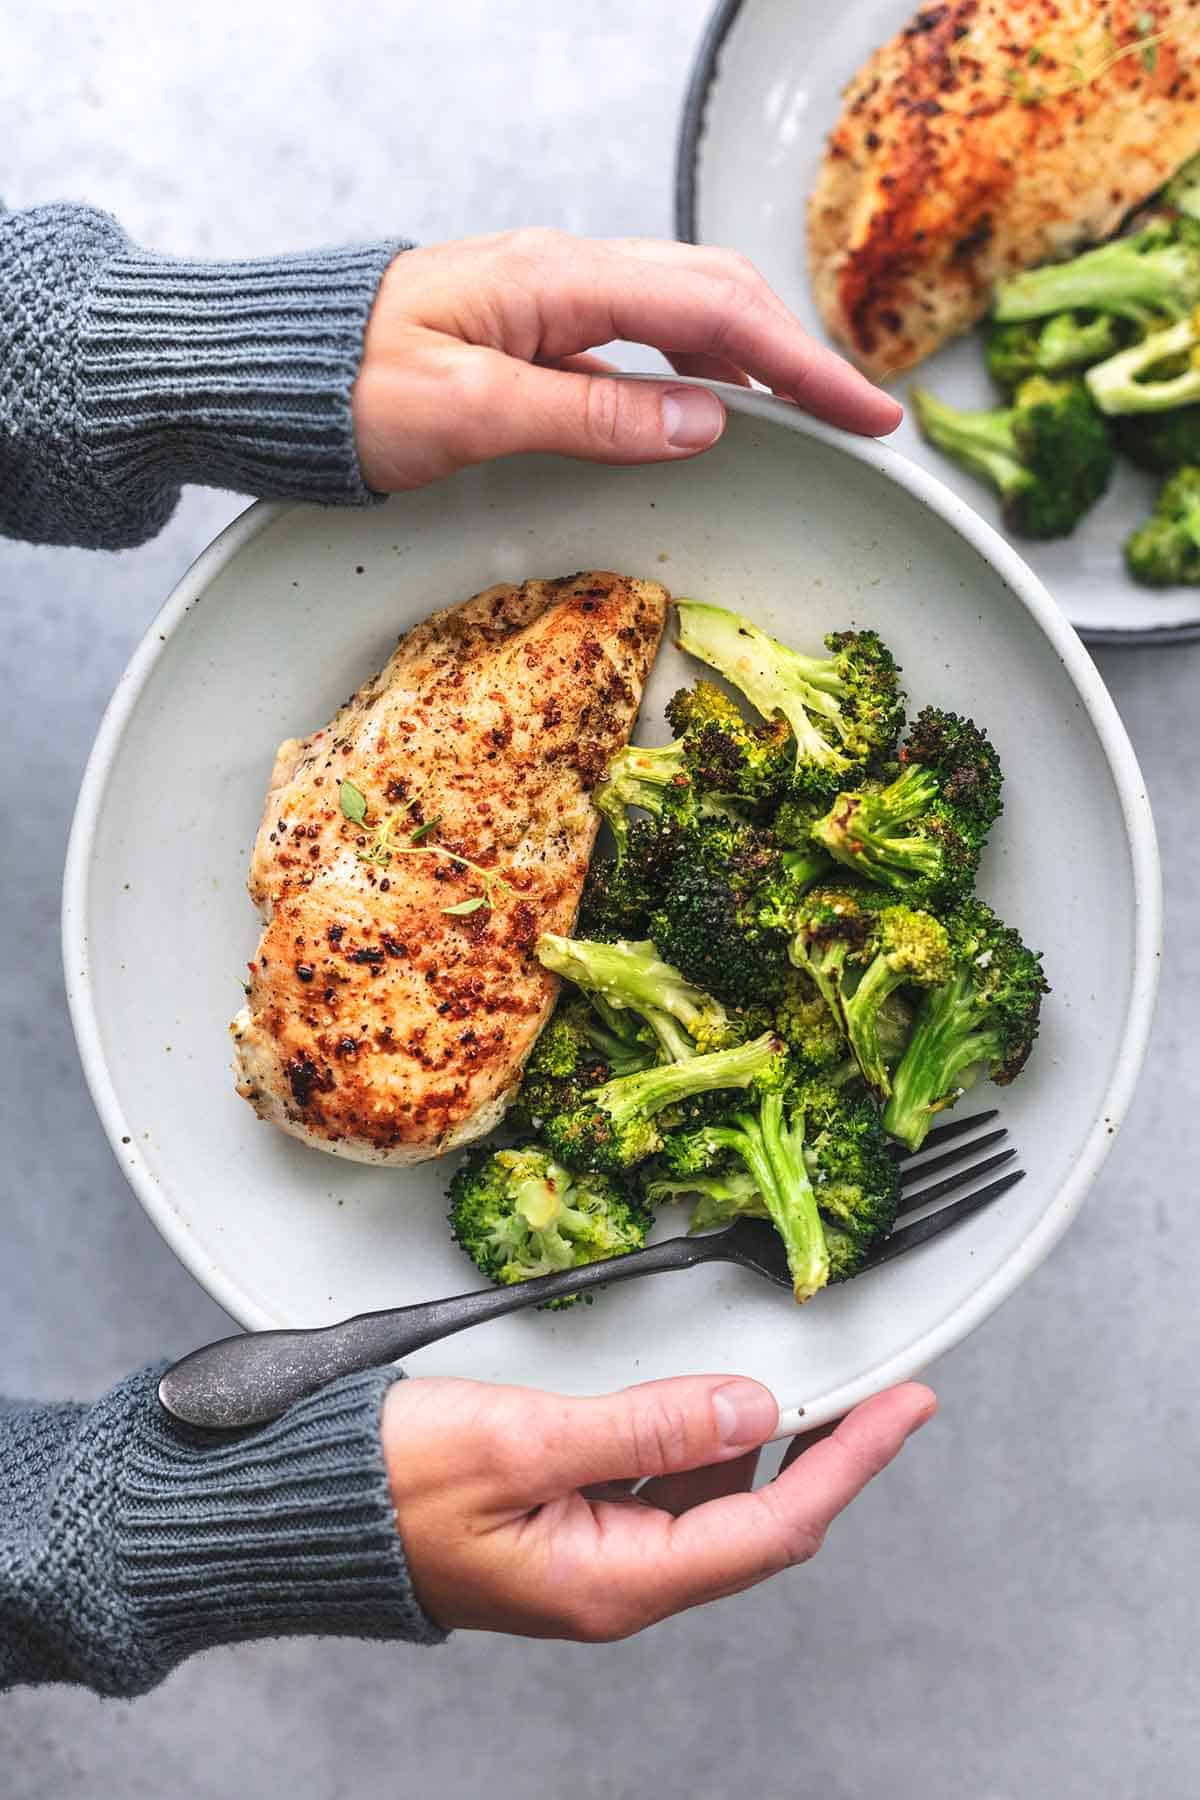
column 765, row 92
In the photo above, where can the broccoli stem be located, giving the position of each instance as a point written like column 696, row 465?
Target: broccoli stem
column 879, row 982
column 1117, row 387
column 1132, row 275
column 642, row 1095
column 804, row 868
column 772, row 1148
column 773, row 678
column 673, row 1040
column 947, row 1043
column 632, row 976
column 637, row 777
column 982, row 442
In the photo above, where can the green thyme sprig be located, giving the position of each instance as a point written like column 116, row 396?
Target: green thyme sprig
column 383, row 847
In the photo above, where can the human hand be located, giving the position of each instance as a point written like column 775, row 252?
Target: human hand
column 478, row 349
column 517, row 1513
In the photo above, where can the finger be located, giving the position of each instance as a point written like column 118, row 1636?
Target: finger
column 695, row 1487
column 712, row 259
column 708, row 368
column 496, row 405
column 657, row 1428
column 602, row 295
column 732, row 1543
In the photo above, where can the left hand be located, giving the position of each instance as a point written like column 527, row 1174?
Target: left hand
column 517, row 1514
column 478, row 349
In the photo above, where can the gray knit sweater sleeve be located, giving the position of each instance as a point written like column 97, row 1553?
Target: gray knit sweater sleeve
column 125, row 374
column 127, row 1543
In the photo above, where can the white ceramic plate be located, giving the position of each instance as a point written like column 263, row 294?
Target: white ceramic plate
column 285, row 614
column 765, row 93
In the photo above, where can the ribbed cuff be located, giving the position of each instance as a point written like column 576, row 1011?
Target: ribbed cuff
column 234, row 375
column 164, row 1541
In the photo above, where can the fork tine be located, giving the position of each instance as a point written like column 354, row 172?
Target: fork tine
column 942, row 1134
column 950, row 1184
column 948, row 1158
column 935, row 1223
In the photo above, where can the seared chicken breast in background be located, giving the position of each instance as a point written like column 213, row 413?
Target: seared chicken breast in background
column 411, row 853
column 987, row 137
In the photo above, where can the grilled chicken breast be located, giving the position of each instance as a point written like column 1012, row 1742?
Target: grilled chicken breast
column 411, row 853
column 990, row 136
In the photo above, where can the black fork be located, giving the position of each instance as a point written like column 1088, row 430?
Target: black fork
column 254, row 1377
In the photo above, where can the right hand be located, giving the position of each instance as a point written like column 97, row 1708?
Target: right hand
column 517, row 1514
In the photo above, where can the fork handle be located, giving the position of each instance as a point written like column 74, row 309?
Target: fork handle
column 255, row 1376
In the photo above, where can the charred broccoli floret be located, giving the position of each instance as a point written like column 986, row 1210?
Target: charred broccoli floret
column 843, row 709
column 981, row 1021
column 1146, row 275
column 616, row 1126
column 1048, row 455
column 923, row 833
column 1060, row 345
column 1165, row 550
column 518, row 1213
column 723, row 753
column 634, row 978
column 618, row 895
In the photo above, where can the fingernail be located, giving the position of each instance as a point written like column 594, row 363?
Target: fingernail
column 746, row 1414
column 692, row 417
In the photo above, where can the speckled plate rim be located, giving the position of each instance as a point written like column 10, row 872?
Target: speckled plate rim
column 687, row 184
column 1026, row 589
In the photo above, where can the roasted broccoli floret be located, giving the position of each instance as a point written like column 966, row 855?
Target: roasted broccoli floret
column 618, row 895
column 1148, row 274
column 576, row 1051
column 1165, row 551
column 843, row 709
column 723, row 753
column 616, row 1126
column 1160, row 442
column 1056, row 346
column 655, row 779
column 924, row 833
column 518, row 1213
column 908, row 949
column 706, row 920
column 861, row 950
column 719, row 1199
column 1159, row 374
column 823, row 1172
column 1048, row 455
column 634, row 978
column 981, row 1021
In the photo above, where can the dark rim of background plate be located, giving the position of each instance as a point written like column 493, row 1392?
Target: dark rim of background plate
column 687, row 155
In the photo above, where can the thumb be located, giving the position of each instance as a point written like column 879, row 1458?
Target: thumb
column 516, row 406
column 658, row 1428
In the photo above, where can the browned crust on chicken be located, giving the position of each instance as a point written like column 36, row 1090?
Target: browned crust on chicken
column 987, row 137
column 378, row 1024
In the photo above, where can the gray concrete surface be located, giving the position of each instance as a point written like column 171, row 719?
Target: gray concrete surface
column 1011, row 1612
